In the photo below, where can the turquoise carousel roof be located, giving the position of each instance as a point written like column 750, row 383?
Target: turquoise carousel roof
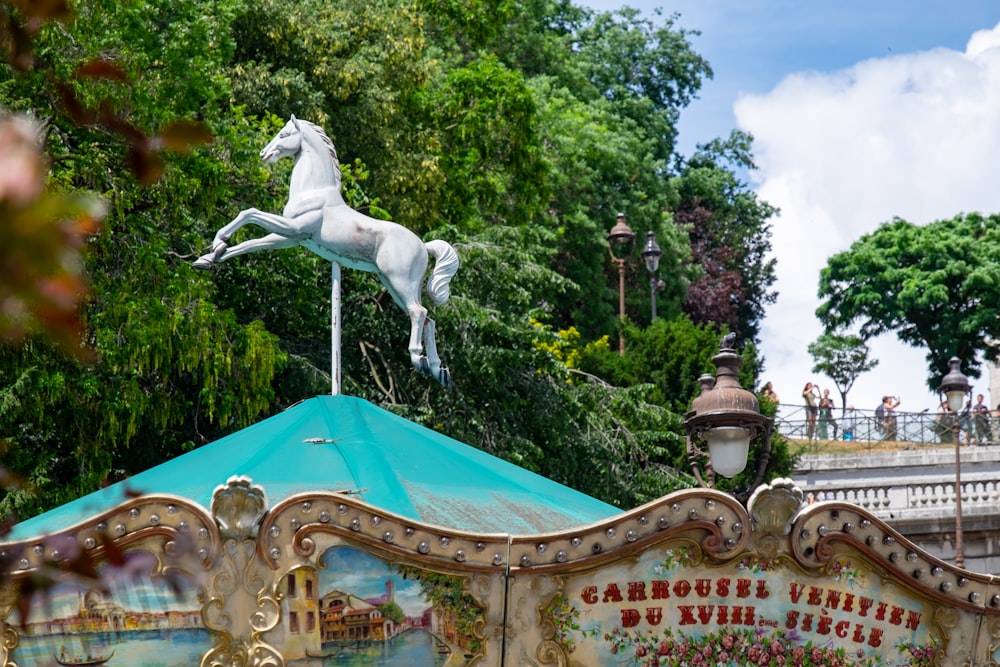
column 341, row 443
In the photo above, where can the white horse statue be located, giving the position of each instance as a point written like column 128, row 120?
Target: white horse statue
column 317, row 217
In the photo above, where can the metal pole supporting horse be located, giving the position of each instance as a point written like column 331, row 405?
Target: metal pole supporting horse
column 335, row 328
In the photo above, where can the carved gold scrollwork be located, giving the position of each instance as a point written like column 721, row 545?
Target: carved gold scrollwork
column 8, row 635
column 552, row 653
column 993, row 628
column 549, row 592
column 239, row 602
column 239, row 606
column 238, row 507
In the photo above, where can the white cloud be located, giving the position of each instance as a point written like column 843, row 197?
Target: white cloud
column 909, row 135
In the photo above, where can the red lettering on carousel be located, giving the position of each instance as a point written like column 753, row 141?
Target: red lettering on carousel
column 913, row 620
column 612, row 594
column 630, row 618
column 705, row 613
column 703, row 587
column 848, row 602
column 795, row 591
column 636, row 591
column 687, row 614
column 589, row 594
column 654, row 615
column 742, row 588
column 815, row 596
column 762, row 592
column 897, row 616
column 825, row 621
column 832, row 598
column 865, row 604
column 824, row 625
column 661, row 589
column 741, row 616
column 682, row 588
column 724, row 615
column 722, row 588
column 880, row 614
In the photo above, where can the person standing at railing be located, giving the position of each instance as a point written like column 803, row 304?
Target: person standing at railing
column 981, row 420
column 811, row 396
column 826, row 415
column 944, row 424
column 769, row 393
column 965, row 424
column 889, row 424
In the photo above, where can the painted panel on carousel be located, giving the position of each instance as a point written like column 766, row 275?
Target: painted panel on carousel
column 369, row 612
column 669, row 608
column 126, row 623
column 696, row 579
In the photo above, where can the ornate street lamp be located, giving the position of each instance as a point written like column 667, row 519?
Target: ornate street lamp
column 955, row 387
column 620, row 235
column 725, row 416
column 651, row 255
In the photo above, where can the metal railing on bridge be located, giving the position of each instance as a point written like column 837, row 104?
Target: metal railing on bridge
column 865, row 426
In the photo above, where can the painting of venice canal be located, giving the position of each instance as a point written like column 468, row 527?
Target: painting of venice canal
column 374, row 614
column 369, row 614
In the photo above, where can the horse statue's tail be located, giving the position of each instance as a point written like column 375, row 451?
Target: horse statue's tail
column 445, row 268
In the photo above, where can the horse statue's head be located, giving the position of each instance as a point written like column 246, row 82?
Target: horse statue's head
column 286, row 143
column 298, row 135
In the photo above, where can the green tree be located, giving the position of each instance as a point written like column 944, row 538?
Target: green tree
column 391, row 610
column 361, row 69
column 516, row 135
column 935, row 286
column 169, row 371
column 842, row 359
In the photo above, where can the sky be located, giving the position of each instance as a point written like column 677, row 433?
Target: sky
column 861, row 111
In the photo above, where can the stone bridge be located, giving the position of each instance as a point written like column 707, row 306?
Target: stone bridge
column 914, row 491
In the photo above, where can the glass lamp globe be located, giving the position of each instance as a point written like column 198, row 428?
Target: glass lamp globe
column 729, row 448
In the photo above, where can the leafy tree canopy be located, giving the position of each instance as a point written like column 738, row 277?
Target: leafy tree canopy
column 842, row 359
column 515, row 130
column 935, row 286
column 729, row 229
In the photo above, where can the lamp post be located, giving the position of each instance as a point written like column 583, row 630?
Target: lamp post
column 725, row 416
column 651, row 254
column 620, row 235
column 955, row 387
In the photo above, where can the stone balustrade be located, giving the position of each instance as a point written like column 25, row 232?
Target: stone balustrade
column 926, row 497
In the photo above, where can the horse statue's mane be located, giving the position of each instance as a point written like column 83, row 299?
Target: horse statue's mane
column 329, row 145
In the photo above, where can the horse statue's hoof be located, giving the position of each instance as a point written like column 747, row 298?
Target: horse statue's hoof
column 444, row 377
column 424, row 367
column 207, row 261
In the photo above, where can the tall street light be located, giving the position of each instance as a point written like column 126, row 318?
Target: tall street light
column 725, row 416
column 621, row 235
column 955, row 386
column 651, row 254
